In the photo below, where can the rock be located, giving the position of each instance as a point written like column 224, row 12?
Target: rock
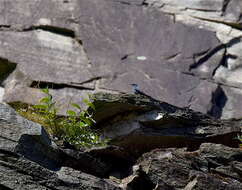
column 1, row 94
column 141, row 130
column 180, row 169
column 136, row 124
column 232, row 103
column 85, row 162
column 221, row 17
column 27, row 138
column 30, row 160
column 89, row 57
column 19, row 83
column 233, row 11
column 229, row 77
column 19, row 173
column 6, row 68
column 47, row 49
column 85, row 181
column 110, row 105
column 99, row 161
column 117, row 158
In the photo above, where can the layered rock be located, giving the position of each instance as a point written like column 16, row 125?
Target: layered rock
column 30, row 160
column 222, row 17
column 213, row 166
column 79, row 47
column 143, row 152
column 140, row 124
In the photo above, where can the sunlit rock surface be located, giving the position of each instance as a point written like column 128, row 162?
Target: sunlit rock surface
column 177, row 51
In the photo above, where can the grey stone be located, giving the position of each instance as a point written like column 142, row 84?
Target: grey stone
column 219, row 16
column 43, row 52
column 232, row 102
column 29, row 139
column 233, row 11
column 87, row 181
column 138, row 123
column 85, row 162
column 121, row 43
column 179, row 89
column 144, row 124
column 229, row 77
column 19, row 173
column 30, row 160
column 178, row 168
column 1, row 94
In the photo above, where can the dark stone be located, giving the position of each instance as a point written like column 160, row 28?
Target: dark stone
column 29, row 139
column 133, row 126
column 177, row 168
column 85, row 162
column 30, row 160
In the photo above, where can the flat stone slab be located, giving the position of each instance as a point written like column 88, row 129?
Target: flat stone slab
column 106, row 45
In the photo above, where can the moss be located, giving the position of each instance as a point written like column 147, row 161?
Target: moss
column 27, row 111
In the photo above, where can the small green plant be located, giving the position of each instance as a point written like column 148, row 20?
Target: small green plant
column 48, row 111
column 73, row 129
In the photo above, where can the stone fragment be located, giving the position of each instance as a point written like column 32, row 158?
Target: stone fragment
column 232, row 103
column 1, row 94
column 30, row 160
column 144, row 124
column 29, row 139
column 178, row 168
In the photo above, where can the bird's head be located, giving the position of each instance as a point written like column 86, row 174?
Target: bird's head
column 135, row 86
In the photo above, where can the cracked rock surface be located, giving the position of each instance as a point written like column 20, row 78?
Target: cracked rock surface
column 183, row 52
column 153, row 145
column 30, row 160
column 211, row 167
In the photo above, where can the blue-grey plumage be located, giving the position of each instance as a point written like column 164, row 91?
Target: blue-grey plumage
column 135, row 88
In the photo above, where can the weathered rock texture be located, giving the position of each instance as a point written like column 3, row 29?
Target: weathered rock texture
column 139, row 124
column 30, row 160
column 213, row 166
column 137, row 127
column 186, row 53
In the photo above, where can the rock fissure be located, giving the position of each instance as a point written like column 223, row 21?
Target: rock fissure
column 185, row 53
column 225, row 5
column 55, row 86
column 168, row 126
column 231, row 24
column 5, row 27
column 53, row 29
column 204, row 58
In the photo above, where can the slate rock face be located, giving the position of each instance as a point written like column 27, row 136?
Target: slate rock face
column 26, row 138
column 79, row 47
column 211, row 167
column 1, row 94
column 30, row 160
column 139, row 124
column 223, row 18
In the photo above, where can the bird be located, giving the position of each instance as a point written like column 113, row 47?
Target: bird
column 137, row 90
